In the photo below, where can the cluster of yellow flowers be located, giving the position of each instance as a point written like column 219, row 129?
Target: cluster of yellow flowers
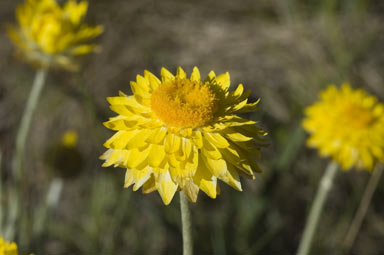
column 183, row 133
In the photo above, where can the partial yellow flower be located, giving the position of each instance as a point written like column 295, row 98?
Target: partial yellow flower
column 7, row 248
column 347, row 125
column 181, row 133
column 52, row 36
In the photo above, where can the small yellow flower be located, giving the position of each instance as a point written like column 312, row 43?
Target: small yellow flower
column 182, row 133
column 69, row 139
column 7, row 248
column 52, row 36
column 347, row 125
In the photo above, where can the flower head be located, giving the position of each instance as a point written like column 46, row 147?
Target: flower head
column 69, row 139
column 182, row 133
column 7, row 248
column 52, row 36
column 347, row 125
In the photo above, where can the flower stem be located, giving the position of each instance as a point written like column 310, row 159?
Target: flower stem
column 363, row 208
column 317, row 208
column 22, row 133
column 17, row 164
column 186, row 224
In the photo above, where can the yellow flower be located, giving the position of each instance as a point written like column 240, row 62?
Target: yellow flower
column 69, row 139
column 7, row 248
column 347, row 125
column 52, row 36
column 182, row 133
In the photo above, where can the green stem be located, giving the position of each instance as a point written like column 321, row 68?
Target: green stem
column 17, row 164
column 363, row 208
column 317, row 208
column 22, row 133
column 186, row 224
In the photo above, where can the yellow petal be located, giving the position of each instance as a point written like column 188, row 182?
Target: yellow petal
column 172, row 143
column 238, row 106
column 86, row 32
column 180, row 74
column 149, row 186
column 216, row 139
column 195, row 75
column 157, row 136
column 216, row 167
column 141, row 176
column 120, row 123
column 210, row 151
column 205, row 180
column 120, row 139
column 138, row 139
column 154, row 82
column 238, row 91
column 191, row 190
column 112, row 157
column 197, row 139
column 139, row 90
column 251, row 107
column 166, row 75
column 136, row 157
column 75, row 11
column 84, row 49
column 232, row 178
column 124, row 110
column 240, row 161
column 156, row 156
column 143, row 83
column 166, row 187
column 129, row 178
column 237, row 137
column 129, row 101
column 211, row 75
column 224, row 81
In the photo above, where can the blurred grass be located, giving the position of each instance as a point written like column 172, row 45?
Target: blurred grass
column 284, row 51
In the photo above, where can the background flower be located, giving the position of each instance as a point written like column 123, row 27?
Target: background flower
column 7, row 248
column 347, row 125
column 50, row 35
column 182, row 133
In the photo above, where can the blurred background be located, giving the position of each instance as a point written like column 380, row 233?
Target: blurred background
column 283, row 51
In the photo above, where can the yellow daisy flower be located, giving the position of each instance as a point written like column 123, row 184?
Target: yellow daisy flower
column 7, row 248
column 52, row 36
column 347, row 125
column 182, row 133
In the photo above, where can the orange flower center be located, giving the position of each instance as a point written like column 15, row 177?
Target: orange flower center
column 184, row 103
column 357, row 116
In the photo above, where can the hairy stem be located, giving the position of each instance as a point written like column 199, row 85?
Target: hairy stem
column 363, row 208
column 317, row 208
column 186, row 224
column 18, row 158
